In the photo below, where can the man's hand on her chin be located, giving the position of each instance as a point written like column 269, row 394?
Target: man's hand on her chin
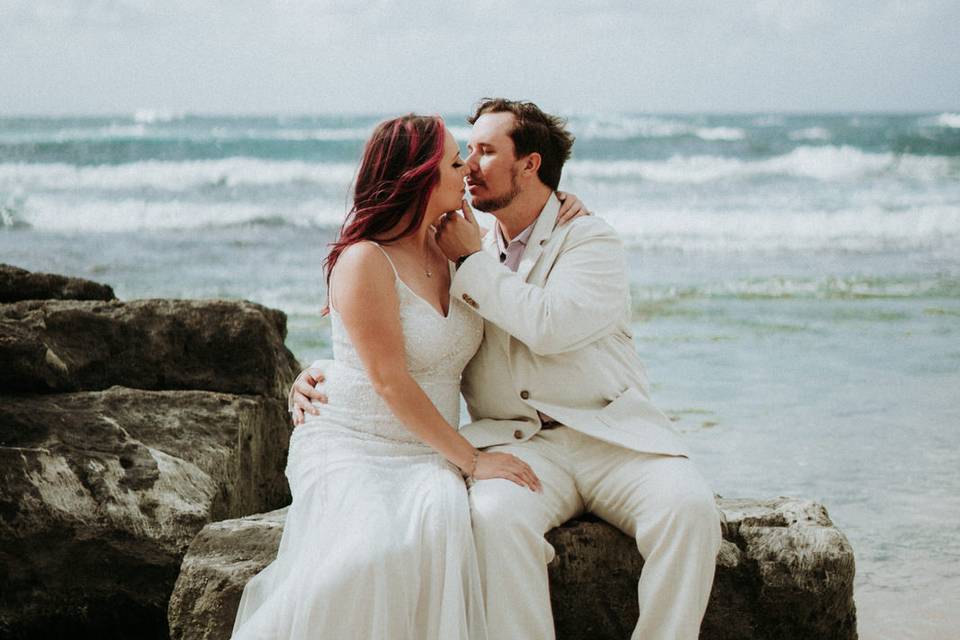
column 458, row 235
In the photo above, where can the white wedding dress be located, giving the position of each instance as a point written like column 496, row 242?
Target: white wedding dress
column 377, row 543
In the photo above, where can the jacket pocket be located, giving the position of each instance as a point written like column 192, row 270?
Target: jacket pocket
column 629, row 408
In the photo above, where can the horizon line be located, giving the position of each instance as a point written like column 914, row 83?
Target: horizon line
column 172, row 114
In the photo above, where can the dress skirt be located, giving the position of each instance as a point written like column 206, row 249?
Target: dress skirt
column 377, row 545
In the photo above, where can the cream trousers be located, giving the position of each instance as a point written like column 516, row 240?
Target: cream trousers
column 662, row 501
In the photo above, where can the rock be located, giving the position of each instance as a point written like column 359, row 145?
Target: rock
column 220, row 561
column 102, row 492
column 211, row 345
column 19, row 284
column 784, row 571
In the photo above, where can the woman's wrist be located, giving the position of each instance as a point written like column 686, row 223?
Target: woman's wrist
column 471, row 467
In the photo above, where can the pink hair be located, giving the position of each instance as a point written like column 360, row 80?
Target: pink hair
column 399, row 170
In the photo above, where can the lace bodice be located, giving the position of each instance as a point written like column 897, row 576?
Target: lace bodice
column 437, row 348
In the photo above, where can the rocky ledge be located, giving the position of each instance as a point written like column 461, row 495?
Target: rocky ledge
column 77, row 345
column 125, row 427
column 784, row 571
column 19, row 284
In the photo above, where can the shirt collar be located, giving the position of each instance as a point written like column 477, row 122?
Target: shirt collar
column 521, row 237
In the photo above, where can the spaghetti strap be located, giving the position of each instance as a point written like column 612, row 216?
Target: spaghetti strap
column 387, row 256
column 396, row 274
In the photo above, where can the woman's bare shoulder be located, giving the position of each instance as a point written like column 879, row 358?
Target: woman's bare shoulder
column 362, row 268
column 363, row 258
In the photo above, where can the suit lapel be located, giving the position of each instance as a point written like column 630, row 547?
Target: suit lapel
column 489, row 243
column 546, row 221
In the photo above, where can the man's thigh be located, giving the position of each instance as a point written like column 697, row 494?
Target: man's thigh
column 502, row 502
column 623, row 486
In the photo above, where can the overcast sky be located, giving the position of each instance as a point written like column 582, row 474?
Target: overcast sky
column 295, row 56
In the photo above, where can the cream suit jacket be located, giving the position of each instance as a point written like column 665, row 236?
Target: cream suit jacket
column 557, row 339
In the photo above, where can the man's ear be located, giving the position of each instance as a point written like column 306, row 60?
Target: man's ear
column 531, row 165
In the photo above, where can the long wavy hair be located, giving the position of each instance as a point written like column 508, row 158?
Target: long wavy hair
column 399, row 171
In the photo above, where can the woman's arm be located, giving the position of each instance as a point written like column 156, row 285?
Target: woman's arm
column 364, row 294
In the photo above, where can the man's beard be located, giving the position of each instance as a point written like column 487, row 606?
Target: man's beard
column 501, row 201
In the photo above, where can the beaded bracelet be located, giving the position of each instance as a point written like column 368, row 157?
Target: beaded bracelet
column 473, row 465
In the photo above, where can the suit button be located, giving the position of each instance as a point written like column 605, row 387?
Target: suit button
column 543, row 242
column 525, row 394
column 518, row 434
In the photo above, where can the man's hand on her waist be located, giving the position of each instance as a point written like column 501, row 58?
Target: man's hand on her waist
column 303, row 392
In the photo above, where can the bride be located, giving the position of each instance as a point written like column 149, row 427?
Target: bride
column 377, row 542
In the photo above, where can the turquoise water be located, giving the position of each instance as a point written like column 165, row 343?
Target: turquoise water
column 796, row 285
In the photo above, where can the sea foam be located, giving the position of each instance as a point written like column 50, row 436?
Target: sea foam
column 64, row 214
column 601, row 127
column 173, row 176
column 862, row 230
column 948, row 120
column 825, row 163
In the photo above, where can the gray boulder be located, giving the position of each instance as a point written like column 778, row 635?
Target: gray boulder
column 214, row 345
column 102, row 492
column 103, row 487
column 784, row 571
column 19, row 284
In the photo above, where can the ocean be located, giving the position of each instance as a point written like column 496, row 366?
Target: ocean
column 795, row 281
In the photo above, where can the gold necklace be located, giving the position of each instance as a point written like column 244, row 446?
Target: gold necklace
column 426, row 269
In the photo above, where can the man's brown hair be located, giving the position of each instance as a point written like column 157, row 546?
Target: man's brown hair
column 534, row 131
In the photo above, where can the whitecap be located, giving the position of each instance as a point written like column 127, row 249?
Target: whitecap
column 810, row 133
column 729, row 134
column 172, row 176
column 153, row 116
column 850, row 230
column 599, row 127
column 948, row 120
column 132, row 214
column 823, row 163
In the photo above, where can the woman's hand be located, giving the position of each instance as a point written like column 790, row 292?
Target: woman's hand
column 570, row 207
column 458, row 235
column 509, row 467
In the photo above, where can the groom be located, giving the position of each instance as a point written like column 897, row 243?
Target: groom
column 557, row 383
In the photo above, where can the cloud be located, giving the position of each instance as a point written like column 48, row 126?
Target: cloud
column 300, row 55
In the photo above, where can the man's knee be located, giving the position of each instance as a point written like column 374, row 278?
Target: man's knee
column 695, row 515
column 688, row 504
column 700, row 509
column 501, row 508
